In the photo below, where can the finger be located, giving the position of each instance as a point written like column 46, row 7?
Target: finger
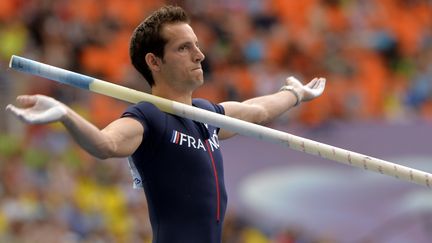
column 13, row 109
column 316, row 91
column 27, row 100
column 320, row 88
column 322, row 83
column 19, row 113
column 313, row 83
column 318, row 83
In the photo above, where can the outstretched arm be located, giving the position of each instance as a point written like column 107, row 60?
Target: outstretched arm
column 264, row 109
column 119, row 139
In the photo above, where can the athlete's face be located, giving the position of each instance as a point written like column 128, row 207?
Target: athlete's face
column 181, row 64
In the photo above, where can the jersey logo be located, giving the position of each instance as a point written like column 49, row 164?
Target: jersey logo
column 183, row 139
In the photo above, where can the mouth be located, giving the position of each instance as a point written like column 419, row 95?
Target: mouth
column 196, row 68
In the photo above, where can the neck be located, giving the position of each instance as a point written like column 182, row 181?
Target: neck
column 171, row 94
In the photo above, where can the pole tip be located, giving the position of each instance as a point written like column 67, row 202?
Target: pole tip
column 11, row 61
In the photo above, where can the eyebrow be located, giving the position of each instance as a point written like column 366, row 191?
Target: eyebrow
column 188, row 43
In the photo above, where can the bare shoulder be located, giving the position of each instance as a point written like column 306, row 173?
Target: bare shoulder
column 125, row 125
column 125, row 135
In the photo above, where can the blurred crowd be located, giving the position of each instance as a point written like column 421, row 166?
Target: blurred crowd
column 376, row 56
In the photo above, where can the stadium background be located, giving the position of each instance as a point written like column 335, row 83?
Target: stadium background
column 376, row 56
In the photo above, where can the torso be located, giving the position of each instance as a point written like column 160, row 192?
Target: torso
column 181, row 168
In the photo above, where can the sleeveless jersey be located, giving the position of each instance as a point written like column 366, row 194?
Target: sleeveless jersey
column 179, row 164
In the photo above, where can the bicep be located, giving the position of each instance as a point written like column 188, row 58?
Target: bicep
column 125, row 135
column 243, row 111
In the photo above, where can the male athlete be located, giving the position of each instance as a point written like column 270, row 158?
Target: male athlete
column 177, row 161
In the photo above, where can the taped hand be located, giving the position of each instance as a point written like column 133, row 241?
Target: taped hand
column 38, row 109
column 306, row 92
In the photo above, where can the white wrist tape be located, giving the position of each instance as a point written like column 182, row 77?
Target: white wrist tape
column 292, row 90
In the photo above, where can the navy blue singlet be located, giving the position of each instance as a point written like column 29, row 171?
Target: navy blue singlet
column 180, row 164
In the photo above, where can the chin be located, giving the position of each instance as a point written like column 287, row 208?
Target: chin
column 199, row 81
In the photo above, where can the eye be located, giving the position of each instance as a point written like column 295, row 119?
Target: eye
column 184, row 47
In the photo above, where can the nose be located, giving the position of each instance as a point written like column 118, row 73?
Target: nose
column 199, row 56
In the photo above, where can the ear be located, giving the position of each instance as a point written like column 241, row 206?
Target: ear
column 153, row 61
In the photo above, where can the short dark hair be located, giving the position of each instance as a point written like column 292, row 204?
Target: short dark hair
column 147, row 37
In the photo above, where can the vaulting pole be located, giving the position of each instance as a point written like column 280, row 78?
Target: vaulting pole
column 235, row 125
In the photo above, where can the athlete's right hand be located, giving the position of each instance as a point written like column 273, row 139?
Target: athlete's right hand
column 38, row 109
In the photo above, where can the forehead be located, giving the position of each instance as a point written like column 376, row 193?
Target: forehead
column 178, row 32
